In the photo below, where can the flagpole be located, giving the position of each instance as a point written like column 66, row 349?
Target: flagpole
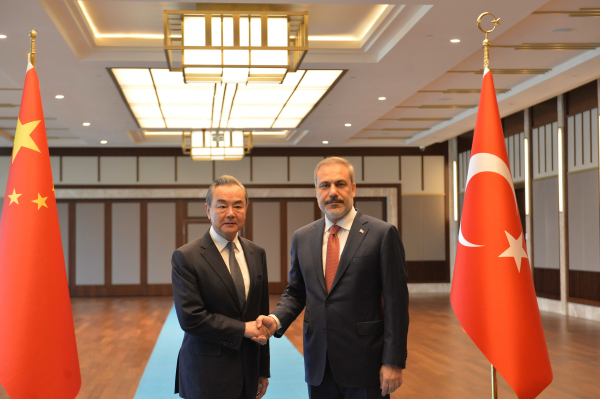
column 486, row 66
column 32, row 36
column 494, row 383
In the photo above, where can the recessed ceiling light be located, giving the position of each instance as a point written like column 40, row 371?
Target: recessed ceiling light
column 86, row 123
column 348, row 124
column 103, row 142
column 455, row 40
column 381, row 98
column 59, row 96
column 2, row 36
column 325, row 142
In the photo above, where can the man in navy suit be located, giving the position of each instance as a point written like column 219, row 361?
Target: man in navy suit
column 220, row 286
column 348, row 271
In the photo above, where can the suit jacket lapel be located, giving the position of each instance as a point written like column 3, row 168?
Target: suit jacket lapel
column 215, row 260
column 316, row 248
column 252, row 270
column 355, row 238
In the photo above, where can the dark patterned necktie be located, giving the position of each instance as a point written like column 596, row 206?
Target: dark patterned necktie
column 236, row 273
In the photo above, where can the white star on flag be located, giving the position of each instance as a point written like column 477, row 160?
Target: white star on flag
column 515, row 249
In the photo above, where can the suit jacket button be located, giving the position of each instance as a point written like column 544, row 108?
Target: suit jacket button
column 324, row 329
column 327, row 303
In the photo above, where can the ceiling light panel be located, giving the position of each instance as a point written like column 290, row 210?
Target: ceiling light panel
column 191, row 95
column 308, row 97
column 249, row 105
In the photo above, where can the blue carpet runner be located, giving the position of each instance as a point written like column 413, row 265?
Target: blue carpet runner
column 287, row 367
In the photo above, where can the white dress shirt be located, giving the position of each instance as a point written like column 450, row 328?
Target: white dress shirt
column 345, row 225
column 221, row 244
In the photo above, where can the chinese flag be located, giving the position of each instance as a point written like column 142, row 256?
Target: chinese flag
column 492, row 290
column 38, row 354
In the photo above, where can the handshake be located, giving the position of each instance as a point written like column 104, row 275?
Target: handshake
column 261, row 330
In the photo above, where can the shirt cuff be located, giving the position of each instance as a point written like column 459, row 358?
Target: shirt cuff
column 277, row 320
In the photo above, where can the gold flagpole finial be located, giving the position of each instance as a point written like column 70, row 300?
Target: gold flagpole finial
column 32, row 36
column 486, row 42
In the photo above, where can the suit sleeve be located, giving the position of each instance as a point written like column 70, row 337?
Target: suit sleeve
column 193, row 317
column 265, row 356
column 395, row 299
column 293, row 300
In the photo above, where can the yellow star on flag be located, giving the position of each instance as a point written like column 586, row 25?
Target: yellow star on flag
column 40, row 201
column 14, row 197
column 23, row 139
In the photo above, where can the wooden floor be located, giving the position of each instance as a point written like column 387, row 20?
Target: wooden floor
column 115, row 337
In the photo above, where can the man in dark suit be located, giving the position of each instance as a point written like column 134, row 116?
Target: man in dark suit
column 348, row 270
column 220, row 287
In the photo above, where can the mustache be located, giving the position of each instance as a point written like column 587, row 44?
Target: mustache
column 334, row 201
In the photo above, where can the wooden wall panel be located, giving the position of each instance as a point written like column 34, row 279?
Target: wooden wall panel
column 79, row 170
column 239, row 169
column 196, row 209
column 371, row 208
column 266, row 226
column 582, row 141
column 90, row 239
column 412, row 174
column 161, row 241
column 299, row 214
column 63, row 219
column 433, row 175
column 270, row 170
column 192, row 172
column 382, row 169
column 118, row 170
column 357, row 164
column 545, row 223
column 434, row 232
column 126, row 241
column 4, row 166
column 55, row 164
column 156, row 170
column 427, row 271
column 584, row 287
column 547, row 282
column 302, row 169
column 582, row 98
column 411, row 230
column 584, row 221
column 544, row 113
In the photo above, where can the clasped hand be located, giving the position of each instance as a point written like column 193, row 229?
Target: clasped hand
column 261, row 330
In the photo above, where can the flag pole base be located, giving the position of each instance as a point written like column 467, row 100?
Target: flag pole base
column 494, row 383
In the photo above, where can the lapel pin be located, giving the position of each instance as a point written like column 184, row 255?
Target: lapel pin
column 362, row 231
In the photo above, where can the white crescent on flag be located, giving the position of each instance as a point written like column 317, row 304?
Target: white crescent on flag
column 484, row 162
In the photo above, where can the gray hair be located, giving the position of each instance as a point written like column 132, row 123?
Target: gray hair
column 224, row 180
column 338, row 160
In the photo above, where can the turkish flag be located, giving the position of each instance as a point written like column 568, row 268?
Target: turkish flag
column 493, row 295
column 38, row 353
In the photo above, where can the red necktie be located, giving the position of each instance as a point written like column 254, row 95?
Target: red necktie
column 333, row 255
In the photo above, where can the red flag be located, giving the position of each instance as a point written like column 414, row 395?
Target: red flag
column 493, row 295
column 38, row 353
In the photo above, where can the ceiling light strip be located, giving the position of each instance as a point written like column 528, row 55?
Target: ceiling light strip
column 229, row 105
column 157, row 97
column 288, row 100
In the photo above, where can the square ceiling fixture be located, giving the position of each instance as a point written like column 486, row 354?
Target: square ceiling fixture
column 235, row 46
column 159, row 99
column 217, row 145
